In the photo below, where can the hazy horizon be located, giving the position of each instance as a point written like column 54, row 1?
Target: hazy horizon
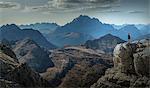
column 73, row 19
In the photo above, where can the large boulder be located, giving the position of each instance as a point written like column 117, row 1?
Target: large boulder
column 142, row 59
column 123, row 57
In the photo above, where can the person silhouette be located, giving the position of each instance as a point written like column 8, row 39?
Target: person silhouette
column 129, row 38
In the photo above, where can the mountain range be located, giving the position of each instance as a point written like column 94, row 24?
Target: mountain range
column 77, row 32
column 92, row 28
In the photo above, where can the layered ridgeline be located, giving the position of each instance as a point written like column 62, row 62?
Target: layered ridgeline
column 76, row 32
column 85, row 28
column 131, row 67
column 14, row 33
column 28, row 51
column 105, row 43
column 16, row 75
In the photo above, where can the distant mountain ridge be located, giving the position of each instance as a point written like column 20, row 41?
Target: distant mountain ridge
column 42, row 27
column 84, row 28
column 123, row 32
column 94, row 28
column 106, row 43
column 12, row 33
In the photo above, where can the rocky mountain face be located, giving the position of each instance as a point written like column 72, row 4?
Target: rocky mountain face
column 14, row 74
column 131, row 67
column 6, row 50
column 28, row 51
column 76, row 67
column 12, row 33
column 85, row 24
column 105, row 43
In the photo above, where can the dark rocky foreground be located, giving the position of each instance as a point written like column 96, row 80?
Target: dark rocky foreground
column 131, row 67
column 13, row 74
column 79, row 67
column 71, row 64
column 76, row 67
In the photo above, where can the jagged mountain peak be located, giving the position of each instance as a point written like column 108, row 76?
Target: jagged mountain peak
column 10, row 27
column 85, row 18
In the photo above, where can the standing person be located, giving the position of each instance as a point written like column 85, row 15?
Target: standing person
column 129, row 38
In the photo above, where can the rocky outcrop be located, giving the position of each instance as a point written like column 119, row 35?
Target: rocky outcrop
column 142, row 59
column 123, row 57
column 30, row 52
column 26, row 76
column 14, row 74
column 131, row 67
column 8, row 51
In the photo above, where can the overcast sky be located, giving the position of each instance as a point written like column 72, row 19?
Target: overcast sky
column 64, row 11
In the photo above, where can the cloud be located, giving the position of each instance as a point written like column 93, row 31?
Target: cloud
column 71, row 5
column 32, row 8
column 111, row 11
column 136, row 12
column 55, row 6
column 9, row 5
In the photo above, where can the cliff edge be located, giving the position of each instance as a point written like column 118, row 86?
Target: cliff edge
column 131, row 67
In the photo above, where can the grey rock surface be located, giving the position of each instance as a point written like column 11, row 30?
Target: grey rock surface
column 131, row 67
